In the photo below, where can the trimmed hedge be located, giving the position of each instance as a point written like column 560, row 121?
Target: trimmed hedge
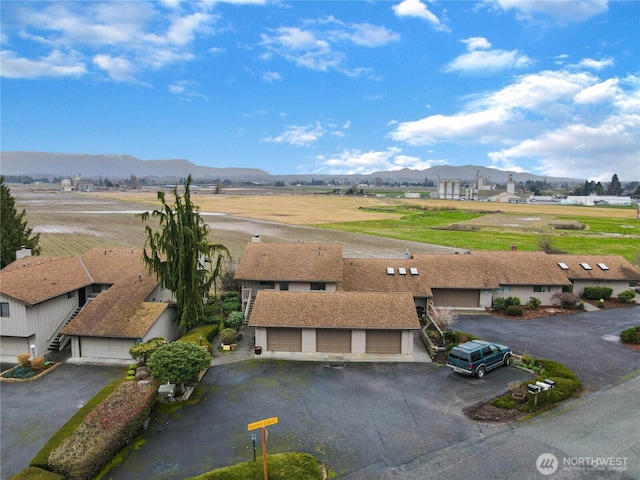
column 597, row 293
column 514, row 311
column 208, row 333
column 626, row 296
column 106, row 429
column 631, row 335
column 282, row 466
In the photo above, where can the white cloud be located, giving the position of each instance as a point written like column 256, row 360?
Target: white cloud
column 417, row 9
column 599, row 92
column 559, row 11
column 320, row 45
column 595, row 64
column 299, row 135
column 123, row 38
column 56, row 64
column 358, row 162
column 271, row 76
column 119, row 69
column 480, row 59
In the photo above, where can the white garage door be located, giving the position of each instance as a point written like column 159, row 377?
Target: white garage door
column 331, row 340
column 451, row 297
column 14, row 346
column 384, row 341
column 284, row 339
column 96, row 347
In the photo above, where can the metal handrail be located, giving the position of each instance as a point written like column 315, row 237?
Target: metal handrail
column 64, row 321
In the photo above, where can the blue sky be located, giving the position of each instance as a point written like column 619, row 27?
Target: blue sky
column 329, row 87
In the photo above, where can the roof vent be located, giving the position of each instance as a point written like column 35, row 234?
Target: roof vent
column 256, row 238
column 390, row 271
column 585, row 265
column 603, row 266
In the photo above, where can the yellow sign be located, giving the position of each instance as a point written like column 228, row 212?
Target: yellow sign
column 262, row 423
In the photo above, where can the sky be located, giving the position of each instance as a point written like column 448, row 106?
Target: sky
column 329, row 87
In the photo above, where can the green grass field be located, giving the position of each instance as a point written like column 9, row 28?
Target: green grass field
column 461, row 229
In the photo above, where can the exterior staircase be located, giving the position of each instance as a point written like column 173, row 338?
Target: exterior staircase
column 60, row 341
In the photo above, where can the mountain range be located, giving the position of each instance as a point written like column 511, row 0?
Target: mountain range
column 42, row 164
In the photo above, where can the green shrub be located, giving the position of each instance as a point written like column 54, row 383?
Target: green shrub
column 235, row 320
column 282, row 466
column 514, row 311
column 533, row 303
column 230, row 294
column 631, row 335
column 626, row 296
column 567, row 384
column 566, row 299
column 228, row 336
column 107, row 428
column 20, row 372
column 499, row 304
column 145, row 349
column 231, row 305
column 512, row 301
column 597, row 293
column 505, row 401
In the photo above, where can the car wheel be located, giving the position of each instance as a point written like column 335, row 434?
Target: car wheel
column 480, row 372
column 505, row 360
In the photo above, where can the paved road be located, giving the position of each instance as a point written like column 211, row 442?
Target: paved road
column 32, row 412
column 588, row 343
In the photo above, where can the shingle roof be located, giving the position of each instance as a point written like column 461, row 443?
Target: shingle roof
column 371, row 275
column 304, row 262
column 334, row 310
column 617, row 267
column 118, row 311
column 32, row 280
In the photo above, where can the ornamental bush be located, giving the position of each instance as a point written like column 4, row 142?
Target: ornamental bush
column 231, row 305
column 597, row 293
column 107, row 428
column 228, row 336
column 235, row 320
column 514, row 311
column 144, row 350
column 533, row 303
column 631, row 335
column 177, row 362
column 626, row 296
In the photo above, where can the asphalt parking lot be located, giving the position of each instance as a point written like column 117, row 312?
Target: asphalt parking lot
column 360, row 418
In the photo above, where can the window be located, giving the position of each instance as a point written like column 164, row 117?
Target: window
column 95, row 288
column 318, row 286
column 4, row 309
column 284, row 285
column 71, row 294
column 504, row 288
column 266, row 284
column 541, row 288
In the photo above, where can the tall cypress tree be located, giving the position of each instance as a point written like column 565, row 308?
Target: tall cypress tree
column 14, row 232
column 615, row 187
column 180, row 254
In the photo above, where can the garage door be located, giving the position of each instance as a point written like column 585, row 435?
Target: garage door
column 450, row 297
column 105, row 347
column 384, row 341
column 333, row 340
column 284, row 339
column 14, row 346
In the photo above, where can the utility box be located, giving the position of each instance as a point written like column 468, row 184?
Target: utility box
column 167, row 391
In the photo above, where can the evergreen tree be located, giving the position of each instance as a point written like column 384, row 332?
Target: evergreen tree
column 14, row 232
column 181, row 256
column 615, row 187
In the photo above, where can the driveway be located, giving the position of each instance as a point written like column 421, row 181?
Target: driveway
column 588, row 343
column 33, row 411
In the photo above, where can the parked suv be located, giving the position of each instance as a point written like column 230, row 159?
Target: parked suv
column 476, row 357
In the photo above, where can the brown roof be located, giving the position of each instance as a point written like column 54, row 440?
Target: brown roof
column 118, row 311
column 370, row 275
column 303, row 262
column 334, row 310
column 32, row 280
column 617, row 267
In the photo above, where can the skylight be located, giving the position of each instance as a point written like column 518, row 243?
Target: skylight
column 603, row 266
column 402, row 270
column 585, row 265
column 563, row 265
column 413, row 270
column 390, row 271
